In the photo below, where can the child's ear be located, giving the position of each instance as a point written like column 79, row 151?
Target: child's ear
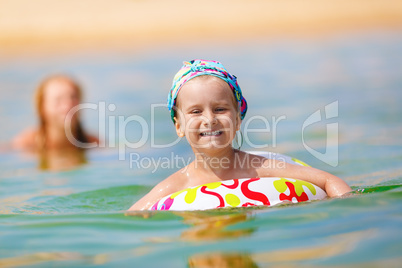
column 179, row 130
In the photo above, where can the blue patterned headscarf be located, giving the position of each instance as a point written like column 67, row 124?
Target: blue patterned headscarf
column 194, row 68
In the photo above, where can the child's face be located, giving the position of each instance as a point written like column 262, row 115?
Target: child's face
column 207, row 113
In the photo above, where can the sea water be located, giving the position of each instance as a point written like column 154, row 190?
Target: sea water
column 78, row 217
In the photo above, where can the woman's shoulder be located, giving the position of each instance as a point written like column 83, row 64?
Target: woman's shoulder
column 26, row 140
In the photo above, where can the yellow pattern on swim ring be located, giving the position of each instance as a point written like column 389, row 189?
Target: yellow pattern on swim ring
column 300, row 162
column 280, row 186
column 192, row 192
column 232, row 200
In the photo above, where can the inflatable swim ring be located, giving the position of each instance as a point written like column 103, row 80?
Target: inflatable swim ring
column 245, row 192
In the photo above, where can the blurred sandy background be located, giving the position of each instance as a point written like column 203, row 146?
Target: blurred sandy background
column 46, row 27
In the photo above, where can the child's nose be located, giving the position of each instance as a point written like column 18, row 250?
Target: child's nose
column 210, row 118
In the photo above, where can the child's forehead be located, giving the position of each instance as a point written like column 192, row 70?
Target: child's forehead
column 207, row 80
column 203, row 78
column 205, row 83
column 205, row 88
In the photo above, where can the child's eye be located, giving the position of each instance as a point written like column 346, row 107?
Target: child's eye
column 220, row 109
column 195, row 111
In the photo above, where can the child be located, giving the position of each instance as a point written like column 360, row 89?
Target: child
column 207, row 107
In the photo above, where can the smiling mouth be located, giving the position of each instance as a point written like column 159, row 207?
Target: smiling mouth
column 211, row 133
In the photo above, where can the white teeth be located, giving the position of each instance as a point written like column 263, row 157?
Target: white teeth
column 213, row 133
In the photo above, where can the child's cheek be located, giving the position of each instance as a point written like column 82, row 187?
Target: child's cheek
column 191, row 126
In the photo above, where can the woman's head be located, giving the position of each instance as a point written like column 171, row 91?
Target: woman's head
column 55, row 97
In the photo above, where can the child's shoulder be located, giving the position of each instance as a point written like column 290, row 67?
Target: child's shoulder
column 261, row 164
column 168, row 186
column 175, row 182
column 250, row 158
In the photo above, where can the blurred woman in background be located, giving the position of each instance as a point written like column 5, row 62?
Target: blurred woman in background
column 59, row 138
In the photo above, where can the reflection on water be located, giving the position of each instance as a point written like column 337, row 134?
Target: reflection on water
column 39, row 258
column 213, row 227
column 204, row 225
column 58, row 160
column 224, row 260
column 209, row 226
column 337, row 246
column 67, row 158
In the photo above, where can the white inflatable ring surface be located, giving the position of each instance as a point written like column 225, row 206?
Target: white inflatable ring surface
column 244, row 192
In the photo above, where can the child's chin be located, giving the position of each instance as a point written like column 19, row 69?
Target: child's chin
column 210, row 145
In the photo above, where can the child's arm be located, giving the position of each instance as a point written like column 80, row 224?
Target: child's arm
column 144, row 203
column 161, row 190
column 331, row 184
